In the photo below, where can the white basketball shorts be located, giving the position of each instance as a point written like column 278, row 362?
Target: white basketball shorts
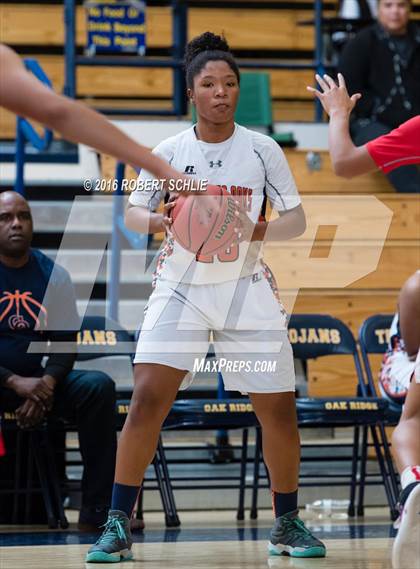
column 247, row 323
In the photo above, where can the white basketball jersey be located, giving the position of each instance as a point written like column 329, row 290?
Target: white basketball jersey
column 248, row 165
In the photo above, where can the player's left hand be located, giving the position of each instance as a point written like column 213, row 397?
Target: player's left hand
column 334, row 98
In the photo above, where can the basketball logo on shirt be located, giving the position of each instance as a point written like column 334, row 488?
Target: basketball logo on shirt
column 21, row 309
column 216, row 163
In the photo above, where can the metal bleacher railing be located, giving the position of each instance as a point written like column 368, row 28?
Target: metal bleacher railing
column 179, row 40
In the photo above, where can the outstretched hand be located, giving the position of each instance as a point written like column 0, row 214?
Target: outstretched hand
column 334, row 98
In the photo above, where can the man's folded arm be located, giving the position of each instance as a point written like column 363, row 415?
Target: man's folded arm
column 60, row 364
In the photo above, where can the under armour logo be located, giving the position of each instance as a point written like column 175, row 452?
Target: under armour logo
column 189, row 170
column 217, row 164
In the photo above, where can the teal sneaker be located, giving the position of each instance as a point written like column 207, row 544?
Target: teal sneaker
column 289, row 536
column 115, row 543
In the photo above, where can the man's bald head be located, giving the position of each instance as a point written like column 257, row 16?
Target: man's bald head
column 15, row 226
column 12, row 197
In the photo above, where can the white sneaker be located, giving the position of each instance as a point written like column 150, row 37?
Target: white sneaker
column 406, row 550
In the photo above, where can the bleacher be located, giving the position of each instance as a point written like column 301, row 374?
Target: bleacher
column 36, row 29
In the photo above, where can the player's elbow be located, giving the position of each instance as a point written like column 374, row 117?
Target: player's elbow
column 56, row 113
column 128, row 219
column 343, row 169
column 135, row 221
column 300, row 226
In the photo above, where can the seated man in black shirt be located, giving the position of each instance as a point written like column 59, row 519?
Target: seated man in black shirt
column 28, row 314
column 383, row 64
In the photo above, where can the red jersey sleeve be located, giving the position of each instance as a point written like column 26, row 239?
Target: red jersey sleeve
column 398, row 148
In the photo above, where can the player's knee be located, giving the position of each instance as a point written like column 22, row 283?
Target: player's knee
column 407, row 424
column 394, row 436
column 399, row 435
column 146, row 403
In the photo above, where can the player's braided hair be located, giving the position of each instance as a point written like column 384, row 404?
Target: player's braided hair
column 204, row 48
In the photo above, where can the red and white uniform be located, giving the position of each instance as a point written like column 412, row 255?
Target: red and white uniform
column 230, row 295
column 249, row 165
column 397, row 148
column 397, row 368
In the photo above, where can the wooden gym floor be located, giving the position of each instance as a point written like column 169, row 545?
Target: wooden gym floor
column 208, row 540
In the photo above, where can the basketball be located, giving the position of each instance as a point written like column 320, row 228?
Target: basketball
column 205, row 224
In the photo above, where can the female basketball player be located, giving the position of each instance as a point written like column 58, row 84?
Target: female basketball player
column 399, row 380
column 400, row 374
column 231, row 294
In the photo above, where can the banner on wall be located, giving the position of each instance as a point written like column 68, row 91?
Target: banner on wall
column 115, row 26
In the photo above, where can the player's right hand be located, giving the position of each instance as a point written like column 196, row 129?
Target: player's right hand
column 167, row 218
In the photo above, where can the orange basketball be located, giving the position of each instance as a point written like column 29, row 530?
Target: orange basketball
column 206, row 223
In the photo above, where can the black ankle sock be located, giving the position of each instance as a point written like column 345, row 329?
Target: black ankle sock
column 124, row 498
column 284, row 503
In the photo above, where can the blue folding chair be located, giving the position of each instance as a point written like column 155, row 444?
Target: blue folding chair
column 373, row 339
column 313, row 336
column 206, row 414
column 101, row 337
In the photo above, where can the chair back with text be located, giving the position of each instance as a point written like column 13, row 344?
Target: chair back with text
column 373, row 339
column 104, row 345
column 315, row 336
column 102, row 337
column 319, row 335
